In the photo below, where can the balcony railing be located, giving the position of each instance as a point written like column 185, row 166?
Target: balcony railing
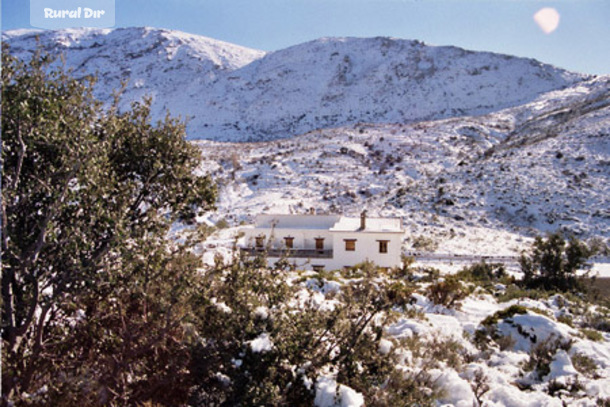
column 296, row 253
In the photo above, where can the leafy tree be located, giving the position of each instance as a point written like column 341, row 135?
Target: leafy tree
column 95, row 297
column 552, row 263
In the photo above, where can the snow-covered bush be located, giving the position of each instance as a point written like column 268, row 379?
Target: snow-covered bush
column 275, row 338
column 543, row 353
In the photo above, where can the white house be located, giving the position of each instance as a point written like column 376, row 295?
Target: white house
column 328, row 242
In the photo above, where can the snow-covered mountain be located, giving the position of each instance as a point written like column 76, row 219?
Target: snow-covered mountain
column 173, row 68
column 454, row 142
column 231, row 93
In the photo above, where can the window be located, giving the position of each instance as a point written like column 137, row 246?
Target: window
column 319, row 243
column 317, row 267
column 383, row 246
column 350, row 245
column 289, row 241
column 260, row 241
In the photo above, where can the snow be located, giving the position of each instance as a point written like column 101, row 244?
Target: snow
column 598, row 351
column 406, row 328
column 327, row 394
column 529, row 329
column 385, row 346
column 261, row 312
column 476, row 172
column 561, row 366
column 496, row 204
column 507, row 396
column 234, row 93
column 261, row 344
column 221, row 306
column 458, row 391
column 600, row 269
column 599, row 388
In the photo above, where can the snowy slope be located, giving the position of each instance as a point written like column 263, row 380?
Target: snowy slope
column 474, row 151
column 539, row 167
column 231, row 93
column 337, row 81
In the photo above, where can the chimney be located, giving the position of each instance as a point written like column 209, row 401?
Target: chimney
column 363, row 220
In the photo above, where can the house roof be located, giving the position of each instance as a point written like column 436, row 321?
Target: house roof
column 324, row 222
column 375, row 225
column 333, row 223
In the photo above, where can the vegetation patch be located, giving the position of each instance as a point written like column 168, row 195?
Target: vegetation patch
column 504, row 314
column 592, row 335
column 585, row 365
column 448, row 292
column 552, row 263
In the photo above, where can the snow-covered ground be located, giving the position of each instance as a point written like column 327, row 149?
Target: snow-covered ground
column 578, row 373
column 601, row 269
column 505, row 367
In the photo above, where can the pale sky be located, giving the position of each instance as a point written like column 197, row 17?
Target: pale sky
column 580, row 42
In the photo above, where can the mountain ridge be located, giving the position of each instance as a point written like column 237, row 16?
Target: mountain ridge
column 232, row 93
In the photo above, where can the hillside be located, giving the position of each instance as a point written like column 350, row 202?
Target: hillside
column 538, row 167
column 162, row 64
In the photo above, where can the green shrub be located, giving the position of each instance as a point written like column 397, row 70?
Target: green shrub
column 431, row 353
column 405, row 271
column 448, row 292
column 566, row 319
column 425, row 243
column 585, row 365
column 592, row 335
column 222, row 224
column 603, row 402
column 408, row 389
column 541, row 355
column 488, row 330
column 431, row 274
column 307, row 340
column 515, row 292
column 505, row 342
column 552, row 264
column 597, row 320
column 482, row 272
column 504, row 314
column 571, row 386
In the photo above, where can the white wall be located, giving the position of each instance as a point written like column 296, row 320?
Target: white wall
column 367, row 246
column 303, row 238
